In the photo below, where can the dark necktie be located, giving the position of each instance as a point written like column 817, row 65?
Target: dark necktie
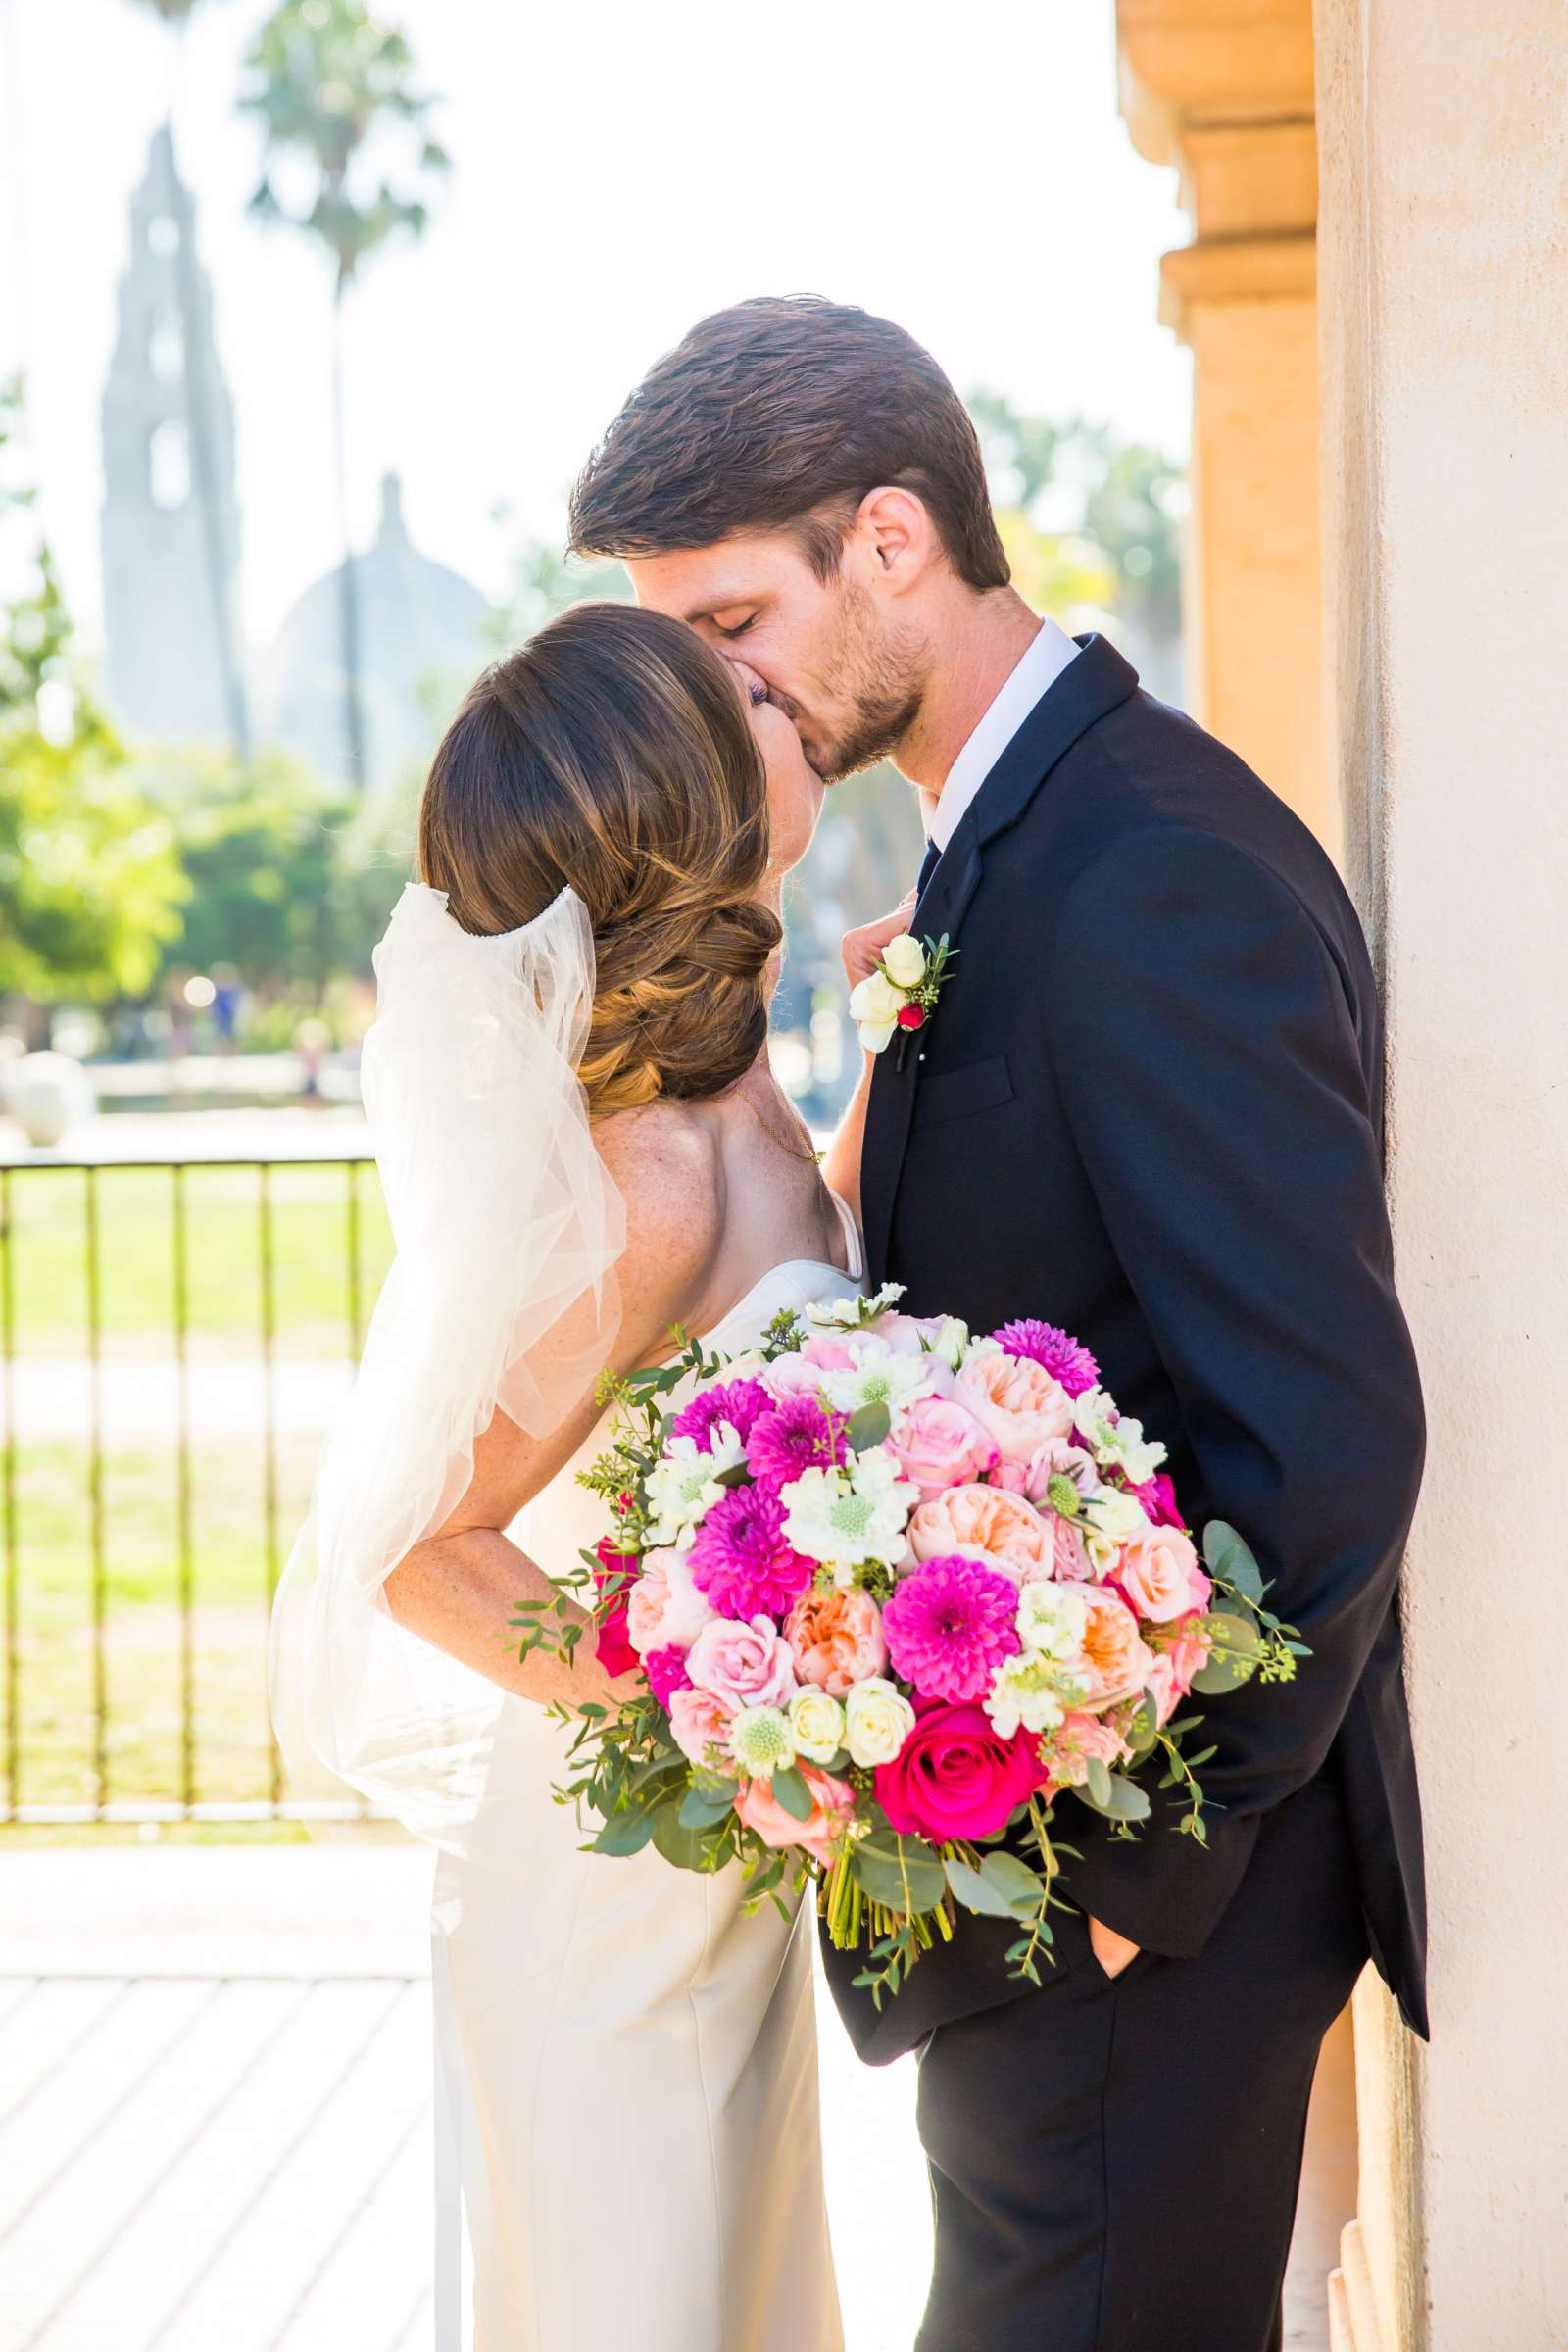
column 928, row 866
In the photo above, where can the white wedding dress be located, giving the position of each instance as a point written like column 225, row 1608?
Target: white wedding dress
column 626, row 2058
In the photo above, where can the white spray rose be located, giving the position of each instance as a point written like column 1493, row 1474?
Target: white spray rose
column 817, row 1724
column 877, row 1721
column 904, row 959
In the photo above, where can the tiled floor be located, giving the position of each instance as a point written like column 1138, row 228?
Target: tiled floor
column 215, row 2121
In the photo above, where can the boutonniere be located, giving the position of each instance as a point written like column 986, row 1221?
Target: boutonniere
column 899, row 997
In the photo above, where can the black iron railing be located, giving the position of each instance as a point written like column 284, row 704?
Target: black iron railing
column 185, row 1787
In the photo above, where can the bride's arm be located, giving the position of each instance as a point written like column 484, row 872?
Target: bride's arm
column 460, row 1588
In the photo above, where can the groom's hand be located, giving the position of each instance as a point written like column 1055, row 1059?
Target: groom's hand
column 864, row 949
column 1113, row 1952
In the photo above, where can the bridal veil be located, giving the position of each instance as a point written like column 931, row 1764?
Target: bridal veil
column 506, row 1231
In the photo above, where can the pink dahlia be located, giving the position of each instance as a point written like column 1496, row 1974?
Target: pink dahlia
column 667, row 1674
column 796, row 1436
column 741, row 1559
column 1057, row 1351
column 737, row 1401
column 949, row 1626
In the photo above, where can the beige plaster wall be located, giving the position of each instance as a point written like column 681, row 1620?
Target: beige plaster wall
column 1443, row 275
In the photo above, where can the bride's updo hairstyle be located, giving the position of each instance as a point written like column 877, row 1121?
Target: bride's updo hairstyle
column 612, row 751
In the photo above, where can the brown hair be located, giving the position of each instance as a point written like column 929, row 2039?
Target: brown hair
column 612, row 753
column 781, row 413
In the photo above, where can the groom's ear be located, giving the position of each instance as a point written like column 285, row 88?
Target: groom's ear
column 895, row 540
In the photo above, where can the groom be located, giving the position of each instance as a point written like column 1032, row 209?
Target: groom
column 1148, row 1107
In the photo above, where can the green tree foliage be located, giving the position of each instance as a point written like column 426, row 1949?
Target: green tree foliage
column 90, row 884
column 289, row 881
column 1086, row 502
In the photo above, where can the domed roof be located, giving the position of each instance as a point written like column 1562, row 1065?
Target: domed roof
column 422, row 641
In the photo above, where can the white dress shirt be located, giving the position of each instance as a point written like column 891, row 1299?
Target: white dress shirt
column 1041, row 666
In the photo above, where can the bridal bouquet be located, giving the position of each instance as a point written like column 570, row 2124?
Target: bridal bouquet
column 895, row 1592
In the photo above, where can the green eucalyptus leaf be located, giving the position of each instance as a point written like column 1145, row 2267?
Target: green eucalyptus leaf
column 703, row 1806
column 975, row 1890
column 680, row 1844
column 868, row 1427
column 793, row 1794
column 1020, row 1887
column 625, row 1832
column 901, row 1872
column 1120, row 1799
column 1096, row 1781
column 1231, row 1559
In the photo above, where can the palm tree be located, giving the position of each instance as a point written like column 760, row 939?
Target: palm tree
column 329, row 81
column 175, row 14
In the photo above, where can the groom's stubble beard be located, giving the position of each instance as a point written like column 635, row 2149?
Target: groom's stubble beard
column 876, row 683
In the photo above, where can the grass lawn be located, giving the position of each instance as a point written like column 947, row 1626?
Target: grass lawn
column 310, row 1254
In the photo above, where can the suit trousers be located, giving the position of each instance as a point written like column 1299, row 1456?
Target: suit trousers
column 1115, row 2161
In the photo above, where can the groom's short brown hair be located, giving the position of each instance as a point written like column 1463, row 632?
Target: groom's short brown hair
column 780, row 414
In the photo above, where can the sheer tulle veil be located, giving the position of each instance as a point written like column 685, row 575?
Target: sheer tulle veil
column 507, row 1231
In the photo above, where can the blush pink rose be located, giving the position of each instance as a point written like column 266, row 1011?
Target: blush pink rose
column 1077, row 1740
column 1017, row 1400
column 790, row 1376
column 983, row 1523
column 1186, row 1647
column 1155, row 1571
column 701, row 1723
column 1115, row 1661
column 939, row 1445
column 1161, row 1687
column 743, row 1665
column 663, row 1608
column 957, row 1777
column 829, row 1354
column 836, row 1638
column 833, row 1801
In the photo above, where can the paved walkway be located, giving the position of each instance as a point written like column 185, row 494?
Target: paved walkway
column 214, row 2119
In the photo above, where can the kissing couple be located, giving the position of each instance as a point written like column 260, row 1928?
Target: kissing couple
column 1148, row 1105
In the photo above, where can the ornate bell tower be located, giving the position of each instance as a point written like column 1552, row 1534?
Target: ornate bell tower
column 171, row 525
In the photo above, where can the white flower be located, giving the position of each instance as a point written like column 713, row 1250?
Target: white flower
column 952, row 1343
column 1117, row 1516
column 1116, row 1443
column 904, row 960
column 845, row 1517
column 816, row 1725
column 1023, row 1693
column 876, row 1000
column 1051, row 1621
column 849, row 1314
column 684, row 1483
column 877, row 1036
column 877, row 1718
column 877, row 1376
column 761, row 1741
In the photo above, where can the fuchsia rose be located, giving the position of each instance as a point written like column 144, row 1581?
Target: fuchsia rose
column 743, row 1665
column 667, row 1674
column 833, row 1803
column 700, row 1723
column 737, row 1401
column 611, row 1643
column 957, row 1777
column 939, row 1445
column 984, row 1523
column 1115, row 1662
column 1017, row 1400
column 836, row 1638
column 663, row 1608
column 1159, row 1574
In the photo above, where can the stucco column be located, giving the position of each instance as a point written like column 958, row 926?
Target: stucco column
column 1223, row 90
column 1443, row 276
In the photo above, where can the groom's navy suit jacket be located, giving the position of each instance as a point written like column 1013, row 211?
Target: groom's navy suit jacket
column 1149, row 1106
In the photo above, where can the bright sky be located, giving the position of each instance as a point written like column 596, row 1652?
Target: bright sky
column 620, row 169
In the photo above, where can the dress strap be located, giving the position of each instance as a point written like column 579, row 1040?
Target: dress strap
column 852, row 1236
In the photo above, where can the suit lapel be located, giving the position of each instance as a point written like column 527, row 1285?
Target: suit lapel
column 943, row 906
column 1087, row 691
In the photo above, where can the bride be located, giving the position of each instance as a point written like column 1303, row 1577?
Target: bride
column 582, row 1146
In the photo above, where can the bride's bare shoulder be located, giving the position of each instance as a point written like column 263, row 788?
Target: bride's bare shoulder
column 664, row 1162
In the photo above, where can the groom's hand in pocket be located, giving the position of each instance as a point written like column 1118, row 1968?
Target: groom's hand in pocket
column 1113, row 1952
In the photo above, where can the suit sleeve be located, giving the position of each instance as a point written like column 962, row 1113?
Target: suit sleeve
column 1205, row 1047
